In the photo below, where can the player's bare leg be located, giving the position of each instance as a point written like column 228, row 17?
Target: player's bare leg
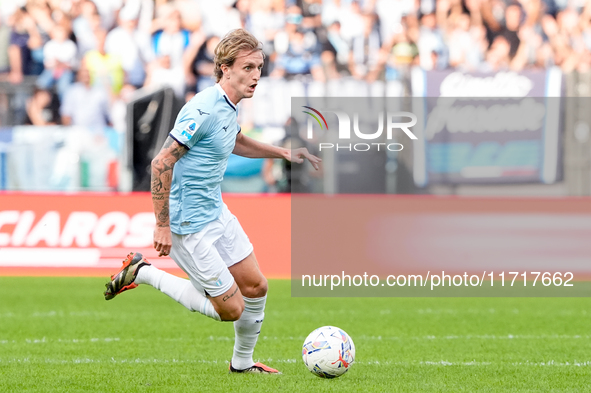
column 179, row 289
column 229, row 305
column 226, row 307
column 253, row 287
column 249, row 278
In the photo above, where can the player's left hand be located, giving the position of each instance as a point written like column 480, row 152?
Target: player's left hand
column 298, row 156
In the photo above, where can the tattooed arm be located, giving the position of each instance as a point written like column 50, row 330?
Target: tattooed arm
column 162, row 166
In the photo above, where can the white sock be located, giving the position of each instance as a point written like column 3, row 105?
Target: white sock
column 247, row 330
column 177, row 288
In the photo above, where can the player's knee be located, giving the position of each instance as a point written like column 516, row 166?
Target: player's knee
column 258, row 289
column 232, row 313
column 261, row 289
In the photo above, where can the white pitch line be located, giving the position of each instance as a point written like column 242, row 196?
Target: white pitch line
column 446, row 363
column 436, row 363
column 56, row 313
column 552, row 363
column 478, row 337
column 62, row 313
column 430, row 337
column 45, row 340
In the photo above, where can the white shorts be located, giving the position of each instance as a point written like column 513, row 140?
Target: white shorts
column 206, row 255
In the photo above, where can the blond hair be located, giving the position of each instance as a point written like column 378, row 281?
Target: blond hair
column 228, row 48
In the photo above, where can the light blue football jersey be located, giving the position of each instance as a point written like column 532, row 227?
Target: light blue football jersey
column 207, row 126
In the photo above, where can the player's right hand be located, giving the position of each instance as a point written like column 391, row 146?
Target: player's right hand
column 298, row 156
column 162, row 240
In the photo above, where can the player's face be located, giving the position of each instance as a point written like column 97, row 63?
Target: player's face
column 245, row 73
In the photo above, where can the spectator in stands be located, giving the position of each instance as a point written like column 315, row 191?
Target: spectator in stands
column 218, row 17
column 84, row 104
column 132, row 46
column 311, row 14
column 586, row 25
column 299, row 59
column 513, row 16
column 26, row 46
column 105, row 69
column 571, row 33
column 169, row 45
column 59, row 59
column 497, row 58
column 108, row 10
column 363, row 56
column 431, row 42
column 399, row 53
column 43, row 109
column 321, row 39
column 196, row 41
column 503, row 21
column 335, row 52
column 559, row 38
column 465, row 49
column 144, row 9
column 351, row 20
column 297, row 54
column 84, row 27
column 201, row 64
column 264, row 19
column 4, row 44
column 42, row 14
column 171, row 39
column 529, row 50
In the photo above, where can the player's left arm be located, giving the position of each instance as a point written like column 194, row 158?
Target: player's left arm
column 250, row 148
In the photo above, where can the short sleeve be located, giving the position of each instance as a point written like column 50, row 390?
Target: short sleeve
column 190, row 127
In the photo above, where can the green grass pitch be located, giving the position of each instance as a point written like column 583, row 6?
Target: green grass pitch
column 60, row 335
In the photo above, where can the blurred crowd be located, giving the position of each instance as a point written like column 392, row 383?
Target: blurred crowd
column 88, row 57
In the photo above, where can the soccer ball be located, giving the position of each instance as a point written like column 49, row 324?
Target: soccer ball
column 328, row 352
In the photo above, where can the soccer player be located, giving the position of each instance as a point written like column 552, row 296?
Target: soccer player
column 193, row 224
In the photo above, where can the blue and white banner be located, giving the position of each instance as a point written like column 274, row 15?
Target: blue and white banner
column 487, row 128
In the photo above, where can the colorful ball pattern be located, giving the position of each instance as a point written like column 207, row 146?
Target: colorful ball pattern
column 328, row 352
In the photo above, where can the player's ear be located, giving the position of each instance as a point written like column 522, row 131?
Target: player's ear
column 225, row 70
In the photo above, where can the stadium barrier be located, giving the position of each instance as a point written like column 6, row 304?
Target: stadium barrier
column 91, row 233
column 60, row 158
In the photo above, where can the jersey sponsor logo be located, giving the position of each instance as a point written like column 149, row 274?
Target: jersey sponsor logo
column 189, row 131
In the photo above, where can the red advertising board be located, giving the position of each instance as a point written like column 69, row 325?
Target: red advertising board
column 395, row 234
column 90, row 234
